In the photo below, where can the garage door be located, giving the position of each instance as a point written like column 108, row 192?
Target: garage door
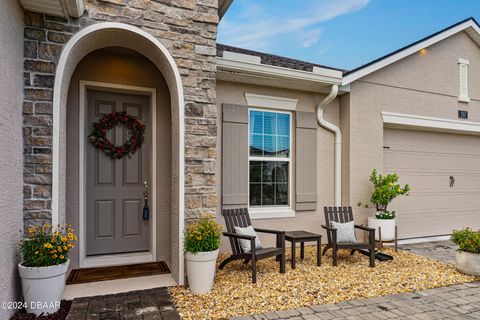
column 444, row 171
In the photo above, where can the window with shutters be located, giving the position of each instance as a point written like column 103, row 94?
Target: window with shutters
column 269, row 144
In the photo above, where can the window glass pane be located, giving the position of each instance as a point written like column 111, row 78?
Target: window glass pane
column 281, row 172
column 255, row 171
column 256, row 145
column 283, row 147
column 268, row 194
column 281, row 194
column 269, row 134
column 267, row 171
column 255, row 194
column 269, row 183
column 269, row 123
column 269, row 146
column 256, row 122
column 283, row 124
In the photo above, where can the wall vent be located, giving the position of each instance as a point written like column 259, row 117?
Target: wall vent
column 463, row 78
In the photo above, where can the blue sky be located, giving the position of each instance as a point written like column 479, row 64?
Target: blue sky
column 338, row 33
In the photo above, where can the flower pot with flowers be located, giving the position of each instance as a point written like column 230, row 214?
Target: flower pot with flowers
column 386, row 189
column 45, row 263
column 201, row 244
column 468, row 255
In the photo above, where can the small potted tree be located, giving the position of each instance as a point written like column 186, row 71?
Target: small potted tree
column 468, row 255
column 386, row 189
column 45, row 263
column 201, row 244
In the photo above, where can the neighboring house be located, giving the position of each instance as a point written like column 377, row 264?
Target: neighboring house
column 225, row 127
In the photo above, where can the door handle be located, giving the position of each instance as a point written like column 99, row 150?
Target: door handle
column 452, row 181
column 146, row 210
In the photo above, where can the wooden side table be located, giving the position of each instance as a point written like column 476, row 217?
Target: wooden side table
column 301, row 237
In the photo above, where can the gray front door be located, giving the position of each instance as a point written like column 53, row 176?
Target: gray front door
column 114, row 189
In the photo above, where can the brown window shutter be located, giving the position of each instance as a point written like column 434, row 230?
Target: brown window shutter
column 305, row 161
column 234, row 156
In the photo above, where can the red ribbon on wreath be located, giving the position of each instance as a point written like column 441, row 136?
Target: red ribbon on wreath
column 98, row 137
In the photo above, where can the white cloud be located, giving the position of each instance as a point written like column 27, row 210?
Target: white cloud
column 257, row 28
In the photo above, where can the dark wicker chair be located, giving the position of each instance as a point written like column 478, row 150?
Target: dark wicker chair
column 240, row 218
column 342, row 215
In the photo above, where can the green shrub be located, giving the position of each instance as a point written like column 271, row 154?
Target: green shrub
column 467, row 240
column 47, row 246
column 202, row 235
column 386, row 188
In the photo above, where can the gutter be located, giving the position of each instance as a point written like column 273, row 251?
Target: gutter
column 338, row 141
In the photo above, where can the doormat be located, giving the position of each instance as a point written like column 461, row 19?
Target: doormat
column 77, row 276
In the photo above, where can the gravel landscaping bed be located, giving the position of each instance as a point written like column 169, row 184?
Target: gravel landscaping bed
column 234, row 294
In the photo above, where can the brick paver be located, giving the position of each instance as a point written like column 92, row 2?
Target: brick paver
column 153, row 304
column 454, row 302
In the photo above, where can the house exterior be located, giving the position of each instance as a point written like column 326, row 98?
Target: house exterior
column 225, row 127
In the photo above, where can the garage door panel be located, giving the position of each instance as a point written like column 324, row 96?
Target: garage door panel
column 426, row 160
column 406, row 161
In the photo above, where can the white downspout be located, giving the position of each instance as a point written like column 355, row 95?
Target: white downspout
column 338, row 141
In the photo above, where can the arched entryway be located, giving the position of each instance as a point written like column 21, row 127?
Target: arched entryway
column 118, row 39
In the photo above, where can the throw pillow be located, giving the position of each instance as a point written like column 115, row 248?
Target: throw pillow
column 345, row 231
column 245, row 244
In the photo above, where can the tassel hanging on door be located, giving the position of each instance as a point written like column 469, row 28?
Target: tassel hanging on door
column 146, row 210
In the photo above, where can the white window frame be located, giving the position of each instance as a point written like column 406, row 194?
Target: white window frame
column 265, row 212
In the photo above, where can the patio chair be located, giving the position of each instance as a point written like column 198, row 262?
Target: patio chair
column 240, row 218
column 342, row 215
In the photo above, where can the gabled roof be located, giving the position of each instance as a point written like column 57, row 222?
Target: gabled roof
column 273, row 60
column 470, row 26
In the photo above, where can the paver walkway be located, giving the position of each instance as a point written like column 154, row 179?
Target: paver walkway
column 453, row 302
column 153, row 304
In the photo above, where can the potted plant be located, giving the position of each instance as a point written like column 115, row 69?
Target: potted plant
column 45, row 262
column 468, row 255
column 201, row 243
column 386, row 188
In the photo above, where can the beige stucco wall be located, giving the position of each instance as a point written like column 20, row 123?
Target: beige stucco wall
column 11, row 182
column 421, row 84
column 234, row 93
column 127, row 69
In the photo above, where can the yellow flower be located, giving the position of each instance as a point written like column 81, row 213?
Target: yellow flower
column 71, row 236
column 36, row 252
column 70, row 245
column 65, row 248
column 54, row 256
column 61, row 256
column 48, row 245
column 31, row 230
column 64, row 239
column 59, row 249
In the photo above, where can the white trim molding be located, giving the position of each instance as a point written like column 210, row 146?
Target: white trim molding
column 114, row 259
column 60, row 8
column 321, row 75
column 84, row 42
column 469, row 26
column 463, row 80
column 270, row 213
column 270, row 102
column 391, row 119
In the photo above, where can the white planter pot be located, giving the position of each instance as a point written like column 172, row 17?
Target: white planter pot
column 201, row 271
column 43, row 287
column 387, row 226
column 468, row 263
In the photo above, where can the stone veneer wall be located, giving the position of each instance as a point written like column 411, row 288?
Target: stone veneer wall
column 188, row 29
